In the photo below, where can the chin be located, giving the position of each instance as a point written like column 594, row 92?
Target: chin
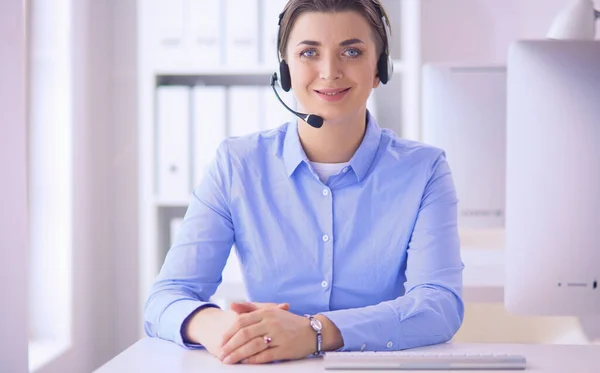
column 340, row 114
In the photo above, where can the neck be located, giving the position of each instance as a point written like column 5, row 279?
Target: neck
column 335, row 142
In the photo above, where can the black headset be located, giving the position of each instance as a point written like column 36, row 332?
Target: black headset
column 385, row 65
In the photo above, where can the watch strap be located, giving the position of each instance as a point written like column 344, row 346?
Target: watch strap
column 319, row 346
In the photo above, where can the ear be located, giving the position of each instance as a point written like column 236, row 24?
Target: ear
column 376, row 80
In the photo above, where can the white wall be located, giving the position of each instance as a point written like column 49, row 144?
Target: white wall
column 105, row 251
column 480, row 31
column 13, row 196
column 106, row 309
column 106, row 92
column 92, row 118
column 125, row 179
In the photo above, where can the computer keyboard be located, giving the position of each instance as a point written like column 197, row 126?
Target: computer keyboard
column 412, row 360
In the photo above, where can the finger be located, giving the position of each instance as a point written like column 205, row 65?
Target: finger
column 244, row 307
column 242, row 321
column 263, row 306
column 265, row 356
column 284, row 306
column 252, row 347
column 242, row 337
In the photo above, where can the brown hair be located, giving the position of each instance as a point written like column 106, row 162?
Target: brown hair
column 366, row 8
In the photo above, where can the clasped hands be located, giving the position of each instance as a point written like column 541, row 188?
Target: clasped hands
column 266, row 332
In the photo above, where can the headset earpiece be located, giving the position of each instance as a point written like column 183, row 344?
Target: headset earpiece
column 382, row 68
column 385, row 65
column 284, row 76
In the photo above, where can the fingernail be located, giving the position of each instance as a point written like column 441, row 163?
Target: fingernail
column 227, row 360
column 245, row 361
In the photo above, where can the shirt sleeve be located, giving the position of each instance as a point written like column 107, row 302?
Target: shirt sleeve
column 431, row 310
column 193, row 266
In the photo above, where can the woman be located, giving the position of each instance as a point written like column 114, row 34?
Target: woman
column 347, row 230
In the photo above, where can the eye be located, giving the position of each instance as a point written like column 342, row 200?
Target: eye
column 308, row 53
column 352, row 52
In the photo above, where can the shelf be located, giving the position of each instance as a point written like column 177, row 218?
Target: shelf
column 483, row 268
column 171, row 202
column 482, row 239
column 398, row 67
column 236, row 291
column 219, row 71
column 235, row 71
column 483, row 294
column 483, row 278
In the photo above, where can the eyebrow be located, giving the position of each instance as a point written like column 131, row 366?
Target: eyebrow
column 342, row 44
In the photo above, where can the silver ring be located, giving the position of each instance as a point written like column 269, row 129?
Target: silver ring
column 267, row 339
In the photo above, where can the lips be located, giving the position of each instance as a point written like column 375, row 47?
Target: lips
column 332, row 94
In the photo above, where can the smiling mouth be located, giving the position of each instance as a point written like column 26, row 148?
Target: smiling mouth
column 332, row 93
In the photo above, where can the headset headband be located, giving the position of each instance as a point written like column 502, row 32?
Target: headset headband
column 388, row 34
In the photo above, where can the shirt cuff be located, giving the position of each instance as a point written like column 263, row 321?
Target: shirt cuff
column 373, row 328
column 175, row 315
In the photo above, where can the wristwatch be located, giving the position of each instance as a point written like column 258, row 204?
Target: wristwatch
column 317, row 327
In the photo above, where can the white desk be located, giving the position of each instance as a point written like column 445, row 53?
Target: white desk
column 151, row 355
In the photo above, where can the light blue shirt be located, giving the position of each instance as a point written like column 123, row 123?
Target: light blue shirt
column 375, row 248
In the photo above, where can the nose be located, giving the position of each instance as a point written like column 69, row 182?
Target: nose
column 330, row 68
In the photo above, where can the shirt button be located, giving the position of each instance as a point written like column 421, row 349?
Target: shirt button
column 325, row 238
column 324, row 284
column 390, row 344
column 345, row 169
column 325, row 192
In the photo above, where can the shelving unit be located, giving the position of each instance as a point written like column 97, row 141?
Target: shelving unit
column 175, row 63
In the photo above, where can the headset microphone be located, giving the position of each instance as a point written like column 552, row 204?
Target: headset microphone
column 314, row 120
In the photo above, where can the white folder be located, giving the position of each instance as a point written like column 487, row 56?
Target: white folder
column 209, row 129
column 206, row 17
column 169, row 20
column 175, row 227
column 172, row 138
column 242, row 32
column 232, row 272
column 244, row 110
column 270, row 17
column 274, row 113
column 372, row 104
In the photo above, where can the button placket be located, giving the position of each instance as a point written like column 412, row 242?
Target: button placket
column 326, row 246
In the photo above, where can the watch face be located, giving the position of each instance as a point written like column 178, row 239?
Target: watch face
column 316, row 324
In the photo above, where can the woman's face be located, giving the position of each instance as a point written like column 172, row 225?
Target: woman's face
column 333, row 63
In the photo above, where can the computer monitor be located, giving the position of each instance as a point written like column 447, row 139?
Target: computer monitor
column 464, row 113
column 553, row 178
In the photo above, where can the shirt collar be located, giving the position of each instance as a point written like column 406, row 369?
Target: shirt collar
column 365, row 154
column 293, row 153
